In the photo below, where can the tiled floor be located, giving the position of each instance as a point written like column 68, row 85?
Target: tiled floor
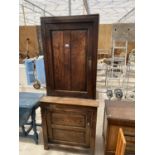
column 28, row 147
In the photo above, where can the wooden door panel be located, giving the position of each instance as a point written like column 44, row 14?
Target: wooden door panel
column 69, row 135
column 70, row 49
column 69, row 127
column 69, row 52
column 78, row 57
column 66, row 49
column 61, row 59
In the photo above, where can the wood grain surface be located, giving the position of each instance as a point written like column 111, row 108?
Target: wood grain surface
column 69, row 101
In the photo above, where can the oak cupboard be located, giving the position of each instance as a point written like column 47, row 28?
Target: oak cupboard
column 70, row 55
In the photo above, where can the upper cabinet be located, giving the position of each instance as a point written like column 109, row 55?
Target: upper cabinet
column 70, row 54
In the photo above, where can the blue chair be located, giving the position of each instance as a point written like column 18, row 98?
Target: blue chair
column 28, row 103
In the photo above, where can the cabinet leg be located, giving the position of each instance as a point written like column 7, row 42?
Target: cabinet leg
column 46, row 147
column 92, row 152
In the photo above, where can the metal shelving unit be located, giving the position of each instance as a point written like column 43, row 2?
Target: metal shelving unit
column 116, row 71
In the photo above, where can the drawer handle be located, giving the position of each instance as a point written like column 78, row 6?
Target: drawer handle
column 66, row 45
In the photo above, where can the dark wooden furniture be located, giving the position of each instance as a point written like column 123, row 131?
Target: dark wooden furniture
column 69, row 121
column 28, row 103
column 118, row 114
column 70, row 53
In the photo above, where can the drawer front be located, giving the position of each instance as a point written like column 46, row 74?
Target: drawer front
column 128, row 130
column 69, row 108
column 129, row 134
column 72, row 119
column 69, row 125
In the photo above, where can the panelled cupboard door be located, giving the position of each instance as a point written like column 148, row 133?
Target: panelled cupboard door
column 68, row 126
column 70, row 54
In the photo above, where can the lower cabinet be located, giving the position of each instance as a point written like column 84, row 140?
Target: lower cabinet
column 112, row 135
column 69, row 122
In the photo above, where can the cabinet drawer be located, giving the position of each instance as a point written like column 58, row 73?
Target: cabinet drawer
column 128, row 130
column 70, row 108
column 72, row 119
column 129, row 134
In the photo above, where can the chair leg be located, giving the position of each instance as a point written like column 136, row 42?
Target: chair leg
column 23, row 130
column 34, row 127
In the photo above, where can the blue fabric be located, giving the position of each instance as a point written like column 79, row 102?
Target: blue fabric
column 27, row 101
column 40, row 69
column 29, row 64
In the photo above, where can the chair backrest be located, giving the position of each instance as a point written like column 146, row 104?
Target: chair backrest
column 121, row 143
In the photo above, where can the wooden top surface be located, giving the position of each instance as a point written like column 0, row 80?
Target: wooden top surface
column 122, row 110
column 70, row 101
